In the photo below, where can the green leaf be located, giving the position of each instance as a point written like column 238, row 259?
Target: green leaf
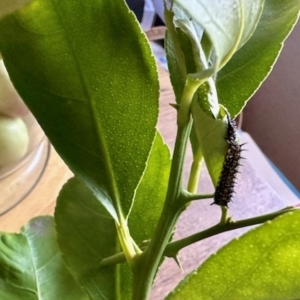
column 263, row 264
column 184, row 52
column 228, row 24
column 175, row 56
column 31, row 266
column 151, row 193
column 207, row 135
column 252, row 11
column 86, row 71
column 86, row 234
column 210, row 133
column 250, row 66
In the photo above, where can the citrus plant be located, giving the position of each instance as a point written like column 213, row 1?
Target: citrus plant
column 86, row 71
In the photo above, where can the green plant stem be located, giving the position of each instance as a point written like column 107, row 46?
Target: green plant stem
column 224, row 212
column 189, row 90
column 119, row 258
column 176, row 246
column 130, row 249
column 188, row 197
column 195, row 173
column 145, row 265
column 115, row 259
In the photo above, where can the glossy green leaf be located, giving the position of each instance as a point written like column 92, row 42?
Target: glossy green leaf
column 86, row 71
column 151, row 193
column 31, row 265
column 86, row 234
column 248, row 68
column 228, row 24
column 261, row 265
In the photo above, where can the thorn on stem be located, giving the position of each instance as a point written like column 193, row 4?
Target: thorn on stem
column 176, row 106
column 176, row 258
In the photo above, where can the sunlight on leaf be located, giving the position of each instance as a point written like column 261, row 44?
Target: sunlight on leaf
column 250, row 66
column 224, row 23
column 93, row 87
column 261, row 265
column 151, row 193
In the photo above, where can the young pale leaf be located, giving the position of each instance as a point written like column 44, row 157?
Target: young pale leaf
column 87, row 73
column 151, row 193
column 250, row 66
column 252, row 11
column 208, row 132
column 31, row 266
column 86, row 234
column 262, row 265
column 224, row 22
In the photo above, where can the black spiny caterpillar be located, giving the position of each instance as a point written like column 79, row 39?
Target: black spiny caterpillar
column 226, row 183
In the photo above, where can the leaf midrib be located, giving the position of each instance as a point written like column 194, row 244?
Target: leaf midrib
column 34, row 269
column 100, row 133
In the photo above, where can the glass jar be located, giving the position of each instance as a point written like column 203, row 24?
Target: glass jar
column 24, row 149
